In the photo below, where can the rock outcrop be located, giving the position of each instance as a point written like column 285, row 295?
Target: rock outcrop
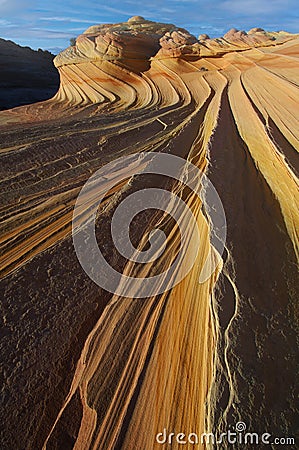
column 26, row 76
column 132, row 44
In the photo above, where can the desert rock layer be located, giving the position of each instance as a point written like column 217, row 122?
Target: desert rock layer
column 87, row 369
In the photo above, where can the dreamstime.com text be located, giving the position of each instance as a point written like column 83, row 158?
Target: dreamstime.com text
column 239, row 435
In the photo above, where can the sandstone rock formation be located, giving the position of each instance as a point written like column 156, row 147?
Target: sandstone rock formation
column 203, row 37
column 84, row 368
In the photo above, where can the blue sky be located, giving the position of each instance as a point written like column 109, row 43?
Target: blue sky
column 50, row 24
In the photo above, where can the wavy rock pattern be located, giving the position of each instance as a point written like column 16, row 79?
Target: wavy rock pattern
column 87, row 369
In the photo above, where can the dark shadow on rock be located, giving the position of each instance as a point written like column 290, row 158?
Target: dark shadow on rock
column 26, row 76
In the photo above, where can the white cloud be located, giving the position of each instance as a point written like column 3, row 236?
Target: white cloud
column 7, row 6
column 117, row 11
column 66, row 19
column 4, row 23
column 36, row 33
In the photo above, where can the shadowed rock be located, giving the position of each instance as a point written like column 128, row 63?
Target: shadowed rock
column 26, row 76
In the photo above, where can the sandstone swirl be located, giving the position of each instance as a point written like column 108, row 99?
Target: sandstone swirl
column 86, row 369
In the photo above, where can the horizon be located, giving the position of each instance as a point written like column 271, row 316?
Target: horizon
column 52, row 27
